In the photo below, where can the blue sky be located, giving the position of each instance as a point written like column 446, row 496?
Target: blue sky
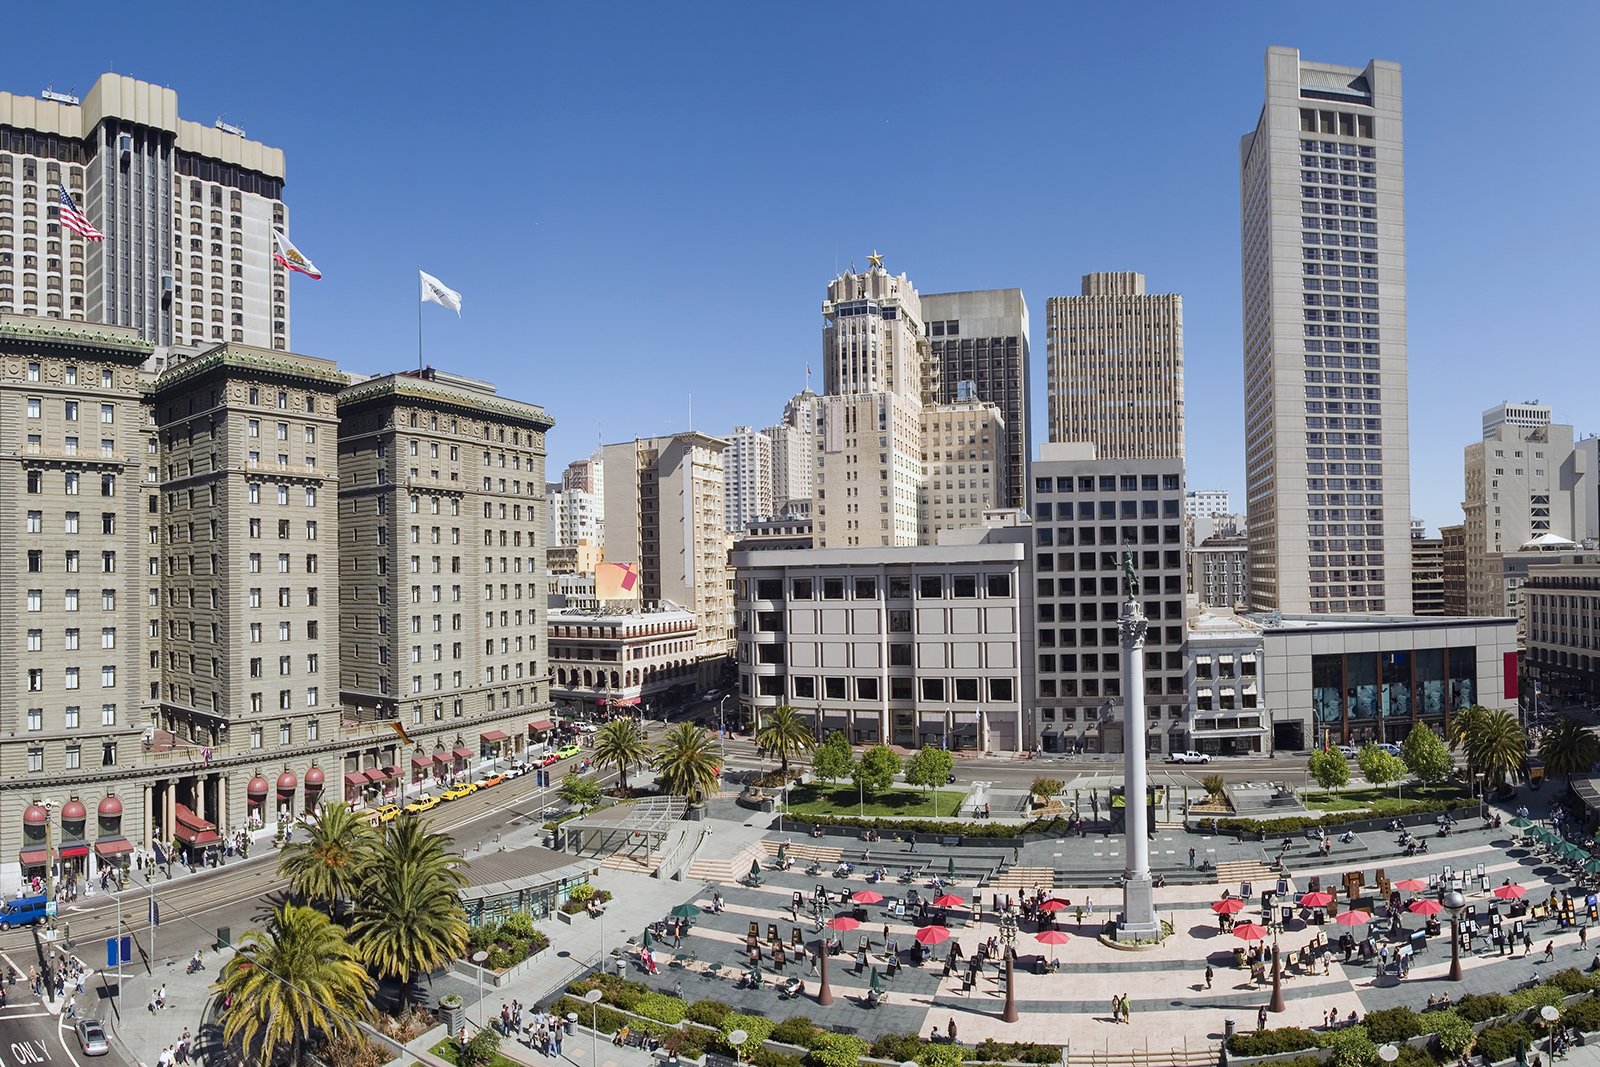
column 640, row 202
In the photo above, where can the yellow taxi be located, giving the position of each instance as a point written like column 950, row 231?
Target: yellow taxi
column 456, row 792
column 422, row 804
column 386, row 813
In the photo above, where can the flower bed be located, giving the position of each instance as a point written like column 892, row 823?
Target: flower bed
column 580, row 897
column 508, row 943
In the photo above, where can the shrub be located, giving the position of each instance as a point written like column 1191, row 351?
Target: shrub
column 1395, row 1024
column 1571, row 980
column 1272, row 1042
column 354, row 1051
column 1452, row 1035
column 1480, row 1007
column 1352, row 1048
column 500, row 958
column 1293, row 824
column 797, row 1030
column 1501, row 1042
column 708, row 1013
column 1017, row 1051
column 1046, row 787
column 759, row 1027
column 482, row 1050
column 897, row 1047
column 1214, row 785
column 836, row 1050
column 517, row 925
column 1523, row 999
column 940, row 1055
column 1584, row 1015
column 582, row 893
column 663, row 1007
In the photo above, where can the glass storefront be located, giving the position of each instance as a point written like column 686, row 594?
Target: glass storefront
column 1376, row 696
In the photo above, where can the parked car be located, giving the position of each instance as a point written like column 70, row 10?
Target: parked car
column 23, row 911
column 91, row 1037
column 1189, row 756
column 549, row 758
column 585, row 727
column 1349, row 751
column 422, row 804
column 567, row 751
column 456, row 792
column 386, row 813
column 491, row 781
column 1392, row 749
column 517, row 771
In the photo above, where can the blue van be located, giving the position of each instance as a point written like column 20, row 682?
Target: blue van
column 22, row 911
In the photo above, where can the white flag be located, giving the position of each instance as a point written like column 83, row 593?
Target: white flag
column 435, row 291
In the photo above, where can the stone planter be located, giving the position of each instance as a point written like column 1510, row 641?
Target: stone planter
column 696, row 813
column 453, row 1013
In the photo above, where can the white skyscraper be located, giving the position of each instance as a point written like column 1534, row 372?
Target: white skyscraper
column 1322, row 221
column 794, row 455
column 747, row 475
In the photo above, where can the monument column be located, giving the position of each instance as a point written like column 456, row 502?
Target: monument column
column 1138, row 920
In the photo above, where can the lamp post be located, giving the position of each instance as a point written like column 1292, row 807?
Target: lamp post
column 478, row 960
column 1551, row 1016
column 1008, row 939
column 593, row 997
column 1455, row 904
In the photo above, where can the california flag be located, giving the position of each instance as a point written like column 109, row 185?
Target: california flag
column 284, row 251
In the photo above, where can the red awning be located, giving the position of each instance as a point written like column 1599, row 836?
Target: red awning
column 204, row 838
column 34, row 857
column 113, row 846
column 441, row 757
column 69, row 852
column 493, row 735
column 541, row 726
column 420, row 761
column 187, row 817
column 387, row 773
column 374, row 776
column 463, row 753
column 355, row 778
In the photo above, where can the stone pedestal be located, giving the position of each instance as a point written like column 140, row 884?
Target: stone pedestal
column 1138, row 920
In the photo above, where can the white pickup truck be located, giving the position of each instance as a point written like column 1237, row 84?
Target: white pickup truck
column 1191, row 756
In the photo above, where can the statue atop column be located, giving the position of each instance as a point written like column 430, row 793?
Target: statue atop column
column 1130, row 577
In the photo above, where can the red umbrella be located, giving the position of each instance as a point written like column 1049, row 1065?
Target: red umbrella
column 843, row 922
column 866, row 896
column 1318, row 899
column 1250, row 932
column 932, row 935
column 1426, row 907
column 1230, row 906
column 1352, row 918
column 1411, row 885
column 1509, row 892
column 1054, row 904
column 1052, row 937
column 949, row 900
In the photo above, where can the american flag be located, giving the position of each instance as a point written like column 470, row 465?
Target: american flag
column 77, row 221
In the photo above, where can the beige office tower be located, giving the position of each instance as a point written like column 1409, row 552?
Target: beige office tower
column 794, row 455
column 876, row 379
column 1116, row 368
column 1515, row 492
column 441, row 577
column 1322, row 221
column 965, row 467
column 187, row 211
column 747, row 478
column 665, row 510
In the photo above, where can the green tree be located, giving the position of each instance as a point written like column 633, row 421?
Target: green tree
column 325, row 866
column 576, row 789
column 1425, row 755
column 876, row 768
column 687, row 762
column 832, row 759
column 783, row 734
column 620, row 743
column 290, row 982
column 1045, row 787
column 930, row 768
column 1495, row 745
column 1380, row 768
column 409, row 919
column 481, row 1050
column 1461, row 725
column 1568, row 747
column 1328, row 768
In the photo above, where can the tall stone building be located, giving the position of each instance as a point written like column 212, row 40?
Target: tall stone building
column 1322, row 225
column 1116, row 368
column 747, row 478
column 981, row 337
column 1453, row 566
column 794, row 455
column 1427, row 576
column 187, row 211
column 965, row 473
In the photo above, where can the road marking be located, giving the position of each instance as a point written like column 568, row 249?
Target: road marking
column 27, row 1015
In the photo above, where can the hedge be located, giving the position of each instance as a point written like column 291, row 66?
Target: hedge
column 1501, row 1042
column 1481, row 1007
column 1055, row 826
column 1351, row 1047
column 708, row 1013
column 796, row 1030
column 1584, row 1015
column 1018, row 1051
column 1293, row 824
column 837, row 1050
column 1272, row 1042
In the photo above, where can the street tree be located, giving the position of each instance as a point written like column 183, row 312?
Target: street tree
column 783, row 734
column 579, row 790
column 324, row 868
column 832, row 759
column 1328, row 769
column 620, row 743
column 1568, row 747
column 876, row 768
column 1379, row 767
column 930, row 768
column 1496, row 745
column 1425, row 755
column 1045, row 788
column 409, row 919
column 687, row 763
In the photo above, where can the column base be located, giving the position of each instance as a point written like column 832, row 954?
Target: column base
column 1138, row 921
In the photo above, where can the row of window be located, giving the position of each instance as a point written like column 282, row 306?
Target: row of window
column 73, row 757
column 108, row 678
column 70, row 600
column 930, row 690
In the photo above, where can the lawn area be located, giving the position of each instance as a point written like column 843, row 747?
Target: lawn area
column 446, row 1050
column 1379, row 801
column 819, row 799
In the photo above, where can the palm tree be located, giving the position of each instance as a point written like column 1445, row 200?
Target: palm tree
column 325, row 868
column 409, row 919
column 1462, row 723
column 290, row 982
column 687, row 763
column 621, row 743
column 783, row 734
column 1568, row 747
column 1496, row 746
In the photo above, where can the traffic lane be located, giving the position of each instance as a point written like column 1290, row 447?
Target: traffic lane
column 31, row 1036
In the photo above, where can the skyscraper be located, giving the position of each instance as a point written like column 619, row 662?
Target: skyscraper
column 1116, row 368
column 794, row 455
column 187, row 211
column 747, row 477
column 981, row 337
column 1322, row 223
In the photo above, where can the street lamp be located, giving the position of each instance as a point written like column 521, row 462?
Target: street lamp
column 478, row 960
column 1551, row 1016
column 593, row 997
column 1008, row 938
column 1455, row 904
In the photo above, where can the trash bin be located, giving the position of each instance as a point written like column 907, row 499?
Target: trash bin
column 224, row 937
column 1228, row 1026
column 572, row 1023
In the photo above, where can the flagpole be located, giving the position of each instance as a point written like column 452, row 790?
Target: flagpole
column 419, row 324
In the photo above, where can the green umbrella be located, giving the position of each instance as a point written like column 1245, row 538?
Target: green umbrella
column 783, row 853
column 950, row 871
column 685, row 911
column 1592, row 866
column 646, row 937
column 874, row 986
column 1520, row 823
column 755, row 868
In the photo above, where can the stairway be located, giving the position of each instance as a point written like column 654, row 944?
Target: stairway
column 1018, row 879
column 725, row 870
column 1232, row 871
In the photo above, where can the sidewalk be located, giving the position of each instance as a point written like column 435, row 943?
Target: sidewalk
column 137, row 1031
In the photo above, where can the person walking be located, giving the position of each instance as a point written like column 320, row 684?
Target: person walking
column 1527, row 942
column 1209, row 975
column 1127, row 1009
column 950, row 1030
column 1583, row 938
column 1191, row 859
column 1116, row 1008
column 1261, row 1018
column 1549, row 951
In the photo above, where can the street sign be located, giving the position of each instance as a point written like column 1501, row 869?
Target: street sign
column 119, row 951
column 50, row 909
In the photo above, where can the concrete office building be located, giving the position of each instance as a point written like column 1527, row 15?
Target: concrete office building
column 188, row 212
column 1116, row 368
column 1087, row 513
column 1561, row 612
column 1229, row 714
column 876, row 375
column 622, row 656
column 981, row 337
column 665, row 510
column 1204, row 503
column 964, row 471
column 747, row 476
column 910, row 645
column 1427, row 576
column 1218, row 568
column 572, row 516
column 794, row 455
column 1453, row 553
column 1322, row 222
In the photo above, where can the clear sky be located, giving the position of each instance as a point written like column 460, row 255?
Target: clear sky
column 640, row 202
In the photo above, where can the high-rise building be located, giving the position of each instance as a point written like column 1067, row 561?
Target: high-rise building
column 1116, row 368
column 794, row 455
column 187, row 211
column 1514, row 494
column 665, row 511
column 1453, row 553
column 981, row 337
column 1217, row 570
column 747, row 475
column 571, row 516
column 1322, row 221
column 1427, row 576
column 876, row 379
column 1203, row 503
column 965, row 453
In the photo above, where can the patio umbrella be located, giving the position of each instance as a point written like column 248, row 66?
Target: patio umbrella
column 685, row 911
column 949, row 900
column 1508, row 892
column 1231, row 906
column 1054, row 904
column 755, row 868
column 1318, row 899
column 843, row 922
column 1355, row 917
column 1520, row 823
column 1052, row 937
column 1426, row 907
column 1411, row 885
column 950, row 870
column 1592, row 866
column 932, row 935
column 1250, row 932
column 866, row 896
column 783, row 852
column 874, row 984
column 647, row 937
